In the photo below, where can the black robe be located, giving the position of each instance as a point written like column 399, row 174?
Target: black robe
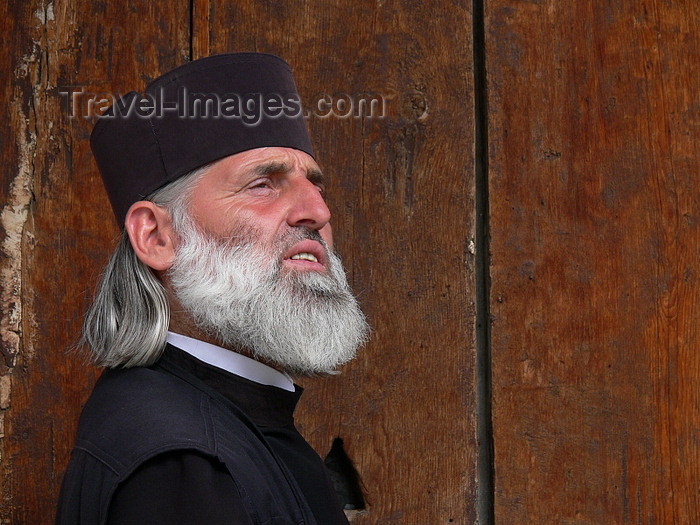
column 176, row 471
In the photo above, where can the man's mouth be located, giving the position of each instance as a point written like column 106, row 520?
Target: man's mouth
column 305, row 256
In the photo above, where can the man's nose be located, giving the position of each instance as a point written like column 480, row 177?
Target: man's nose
column 307, row 206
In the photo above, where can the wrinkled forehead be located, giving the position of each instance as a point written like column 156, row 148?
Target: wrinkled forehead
column 271, row 159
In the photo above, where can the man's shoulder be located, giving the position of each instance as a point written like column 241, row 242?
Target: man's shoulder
column 135, row 413
column 147, row 392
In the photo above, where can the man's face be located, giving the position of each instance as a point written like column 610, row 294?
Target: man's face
column 273, row 191
column 253, row 267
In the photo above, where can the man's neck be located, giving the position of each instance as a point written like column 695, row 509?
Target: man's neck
column 232, row 362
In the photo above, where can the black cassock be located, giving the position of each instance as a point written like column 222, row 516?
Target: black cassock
column 183, row 442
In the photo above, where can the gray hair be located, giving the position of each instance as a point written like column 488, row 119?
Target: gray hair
column 127, row 323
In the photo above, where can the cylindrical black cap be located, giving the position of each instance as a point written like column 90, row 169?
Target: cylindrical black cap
column 198, row 113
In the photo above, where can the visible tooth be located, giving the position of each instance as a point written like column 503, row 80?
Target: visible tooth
column 305, row 256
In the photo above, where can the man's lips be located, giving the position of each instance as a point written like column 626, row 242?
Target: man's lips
column 307, row 254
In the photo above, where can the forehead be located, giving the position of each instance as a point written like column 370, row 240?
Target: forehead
column 260, row 160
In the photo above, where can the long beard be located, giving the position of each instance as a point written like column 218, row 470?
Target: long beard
column 306, row 323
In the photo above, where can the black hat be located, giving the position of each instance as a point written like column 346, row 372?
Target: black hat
column 198, row 113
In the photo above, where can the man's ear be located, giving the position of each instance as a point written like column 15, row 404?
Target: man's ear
column 151, row 234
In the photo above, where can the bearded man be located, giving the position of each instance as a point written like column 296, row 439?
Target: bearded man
column 223, row 286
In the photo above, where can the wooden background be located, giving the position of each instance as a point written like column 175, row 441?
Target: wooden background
column 583, row 164
column 595, row 241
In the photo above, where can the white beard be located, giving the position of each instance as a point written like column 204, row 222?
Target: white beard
column 305, row 323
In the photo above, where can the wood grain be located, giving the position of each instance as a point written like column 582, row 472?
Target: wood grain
column 595, row 244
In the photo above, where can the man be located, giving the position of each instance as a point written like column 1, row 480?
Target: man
column 224, row 284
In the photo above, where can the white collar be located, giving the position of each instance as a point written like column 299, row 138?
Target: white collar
column 232, row 362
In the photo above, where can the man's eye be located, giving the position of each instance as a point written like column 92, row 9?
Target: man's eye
column 262, row 184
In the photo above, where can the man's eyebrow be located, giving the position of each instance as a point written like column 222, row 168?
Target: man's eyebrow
column 271, row 167
column 316, row 176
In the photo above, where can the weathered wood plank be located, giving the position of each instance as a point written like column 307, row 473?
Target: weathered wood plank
column 401, row 191
column 57, row 225
column 595, row 244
